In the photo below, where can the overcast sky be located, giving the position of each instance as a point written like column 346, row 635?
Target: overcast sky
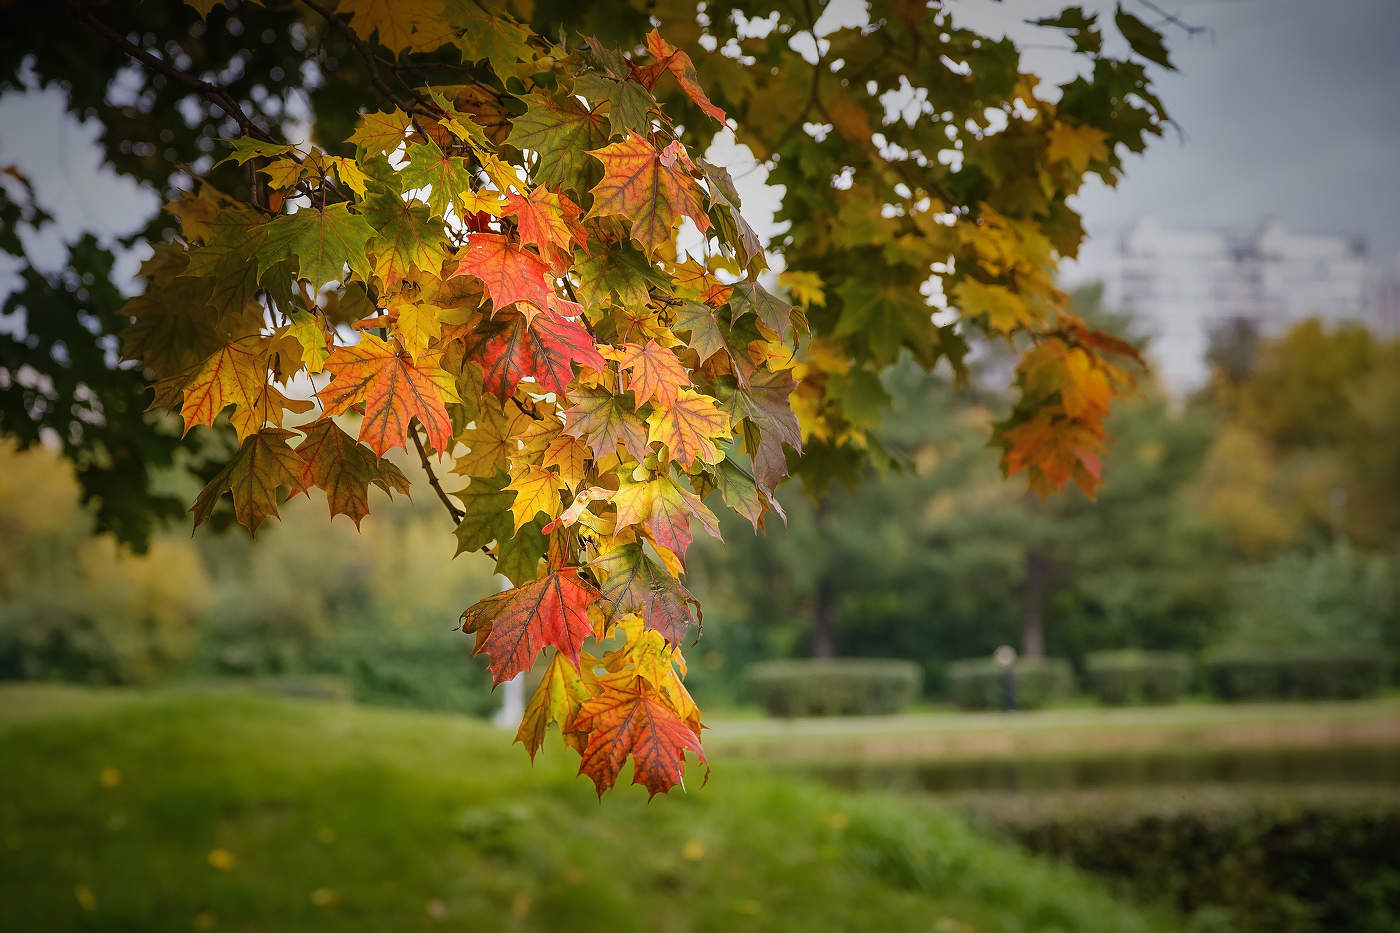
column 1287, row 109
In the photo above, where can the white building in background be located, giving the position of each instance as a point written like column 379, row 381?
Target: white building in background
column 1182, row 284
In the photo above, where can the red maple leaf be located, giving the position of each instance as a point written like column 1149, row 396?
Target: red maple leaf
column 543, row 347
column 510, row 272
column 514, row 626
column 631, row 717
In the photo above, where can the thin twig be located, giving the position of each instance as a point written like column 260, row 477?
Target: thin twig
column 453, row 512
column 216, row 95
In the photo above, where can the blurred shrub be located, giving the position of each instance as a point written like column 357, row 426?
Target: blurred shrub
column 1281, row 866
column 1120, row 677
column 78, row 607
column 977, row 683
column 1298, row 673
column 834, row 687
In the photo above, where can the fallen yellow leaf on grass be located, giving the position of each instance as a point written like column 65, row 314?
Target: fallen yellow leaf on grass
column 86, row 899
column 223, row 859
column 109, row 777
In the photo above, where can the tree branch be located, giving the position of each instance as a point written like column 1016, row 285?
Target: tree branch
column 216, row 95
column 453, row 512
column 368, row 55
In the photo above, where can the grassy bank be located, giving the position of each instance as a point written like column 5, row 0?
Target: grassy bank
column 1078, row 731
column 129, row 811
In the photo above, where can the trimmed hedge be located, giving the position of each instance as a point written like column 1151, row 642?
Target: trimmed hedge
column 1345, row 672
column 976, row 683
column 1135, row 677
column 834, row 687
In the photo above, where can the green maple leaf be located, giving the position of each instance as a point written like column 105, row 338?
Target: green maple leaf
column 429, row 167
column 561, row 131
column 264, row 463
column 322, row 241
column 406, row 237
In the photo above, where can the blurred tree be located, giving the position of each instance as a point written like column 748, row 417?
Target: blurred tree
column 78, row 606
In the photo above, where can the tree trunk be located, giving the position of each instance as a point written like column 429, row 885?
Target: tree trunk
column 822, row 646
column 823, row 600
column 1037, row 583
column 1033, row 630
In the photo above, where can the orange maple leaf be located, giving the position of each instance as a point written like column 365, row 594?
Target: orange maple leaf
column 543, row 346
column 237, row 374
column 655, row 373
column 669, row 58
column 510, row 273
column 632, row 717
column 688, row 428
column 393, row 390
column 650, row 188
column 549, row 221
column 514, row 626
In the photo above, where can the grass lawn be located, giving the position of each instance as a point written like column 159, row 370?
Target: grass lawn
column 227, row 811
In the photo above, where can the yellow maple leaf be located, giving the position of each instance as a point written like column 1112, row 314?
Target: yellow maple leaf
column 536, row 490
column 1077, row 145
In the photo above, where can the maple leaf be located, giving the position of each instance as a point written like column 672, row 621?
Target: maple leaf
column 486, row 512
column 323, row 241
column 632, row 718
column 655, row 373
column 406, row 237
column 633, row 582
column 263, row 463
column 489, row 443
column 344, row 469
column 621, row 273
column 708, row 335
column 605, row 420
column 393, row 20
column 547, row 220
column 394, row 390
column 1077, row 145
column 765, row 402
column 543, row 348
column 417, row 324
column 561, row 131
column 310, row 335
column 513, row 627
column 651, row 189
column 509, row 272
column 669, row 58
column 236, row 374
column 379, row 133
column 429, row 167
column 536, row 490
column 1003, row 309
column 556, row 701
column 771, row 311
column 689, row 428
column 664, row 508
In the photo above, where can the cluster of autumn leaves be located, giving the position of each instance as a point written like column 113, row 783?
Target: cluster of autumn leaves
column 444, row 288
column 492, row 278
